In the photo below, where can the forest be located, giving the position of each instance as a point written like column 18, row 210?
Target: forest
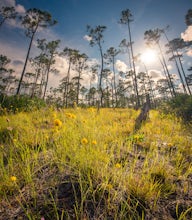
column 85, row 153
column 106, row 86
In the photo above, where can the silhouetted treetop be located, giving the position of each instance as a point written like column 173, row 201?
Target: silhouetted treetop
column 188, row 17
column 7, row 13
column 126, row 16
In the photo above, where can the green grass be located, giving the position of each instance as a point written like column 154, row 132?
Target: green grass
column 81, row 164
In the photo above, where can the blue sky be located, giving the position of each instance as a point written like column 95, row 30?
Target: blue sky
column 74, row 15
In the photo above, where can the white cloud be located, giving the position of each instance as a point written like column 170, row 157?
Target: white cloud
column 20, row 9
column 93, row 62
column 189, row 53
column 155, row 74
column 121, row 66
column 12, row 3
column 169, row 67
column 87, row 38
column 187, row 35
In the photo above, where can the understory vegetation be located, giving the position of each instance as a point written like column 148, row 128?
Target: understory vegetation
column 181, row 106
column 88, row 164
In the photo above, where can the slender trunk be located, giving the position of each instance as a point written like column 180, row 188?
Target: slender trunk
column 78, row 88
column 178, row 70
column 101, row 77
column 166, row 69
column 35, row 84
column 184, row 74
column 47, row 79
column 167, row 78
column 114, row 82
column 67, row 85
column 150, row 85
column 42, row 82
column 129, row 56
column 26, row 60
column 133, row 62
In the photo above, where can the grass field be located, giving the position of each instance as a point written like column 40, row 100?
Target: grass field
column 83, row 164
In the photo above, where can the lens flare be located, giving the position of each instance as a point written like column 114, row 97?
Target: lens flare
column 149, row 56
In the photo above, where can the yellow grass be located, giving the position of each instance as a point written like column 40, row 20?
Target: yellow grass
column 126, row 172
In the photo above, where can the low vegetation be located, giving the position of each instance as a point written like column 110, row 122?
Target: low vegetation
column 14, row 104
column 181, row 106
column 84, row 164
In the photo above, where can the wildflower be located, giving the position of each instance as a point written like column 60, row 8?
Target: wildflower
column 13, row 178
column 170, row 145
column 8, row 120
column 84, row 141
column 70, row 115
column 118, row 165
column 94, row 142
column 73, row 116
column 57, row 122
column 109, row 186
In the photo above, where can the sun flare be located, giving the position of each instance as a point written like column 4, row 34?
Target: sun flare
column 149, row 56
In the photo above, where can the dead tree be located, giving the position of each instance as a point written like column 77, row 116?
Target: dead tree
column 143, row 114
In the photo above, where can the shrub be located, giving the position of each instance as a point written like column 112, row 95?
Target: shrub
column 181, row 105
column 13, row 104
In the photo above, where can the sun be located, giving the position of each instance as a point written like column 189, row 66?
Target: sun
column 149, row 56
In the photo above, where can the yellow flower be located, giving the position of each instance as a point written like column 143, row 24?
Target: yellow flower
column 73, row 116
column 84, row 141
column 57, row 122
column 94, row 142
column 109, row 186
column 118, row 165
column 68, row 115
column 13, row 178
column 170, row 145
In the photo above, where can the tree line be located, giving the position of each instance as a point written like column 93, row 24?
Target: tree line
column 112, row 88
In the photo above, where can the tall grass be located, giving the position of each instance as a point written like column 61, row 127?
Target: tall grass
column 81, row 164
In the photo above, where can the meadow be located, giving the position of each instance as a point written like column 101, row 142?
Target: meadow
column 84, row 164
